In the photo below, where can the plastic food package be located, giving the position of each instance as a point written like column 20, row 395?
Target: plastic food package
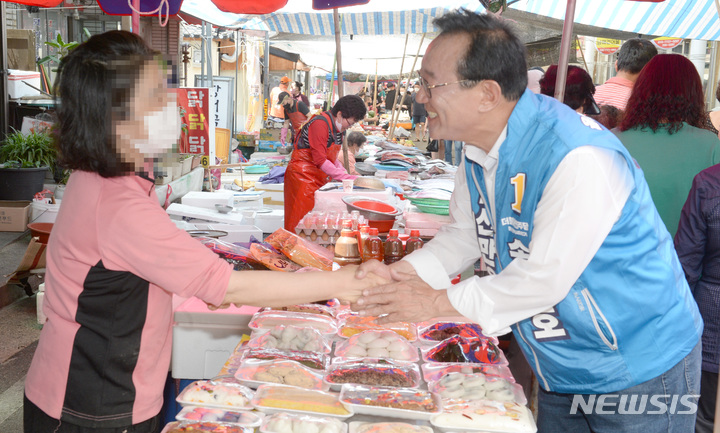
column 372, row 372
column 458, row 387
column 354, row 324
column 387, row 427
column 271, row 319
column 442, row 330
column 377, row 344
column 322, row 310
column 239, row 256
column 200, row 427
column 486, row 416
column 314, row 360
column 301, row 251
column 216, row 394
column 206, row 414
column 256, row 372
column 392, row 402
column 465, row 350
column 290, row 337
column 432, row 371
column 281, row 398
column 295, row 423
column 272, row 259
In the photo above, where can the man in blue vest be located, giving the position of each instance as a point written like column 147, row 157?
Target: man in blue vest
column 581, row 267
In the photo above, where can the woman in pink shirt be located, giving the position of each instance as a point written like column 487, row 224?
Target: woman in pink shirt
column 114, row 258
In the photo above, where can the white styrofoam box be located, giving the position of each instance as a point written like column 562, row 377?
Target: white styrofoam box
column 268, row 222
column 44, row 212
column 194, row 214
column 208, row 200
column 332, row 200
column 203, row 339
column 248, row 200
column 274, row 194
column 235, row 233
column 39, row 299
column 16, row 86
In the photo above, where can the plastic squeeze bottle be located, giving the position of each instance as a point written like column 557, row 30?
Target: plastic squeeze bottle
column 393, row 247
column 414, row 242
column 373, row 247
column 346, row 248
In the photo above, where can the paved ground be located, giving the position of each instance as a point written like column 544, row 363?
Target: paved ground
column 20, row 332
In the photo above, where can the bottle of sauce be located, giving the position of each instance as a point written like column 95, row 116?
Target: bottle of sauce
column 373, row 247
column 347, row 251
column 393, row 247
column 414, row 242
column 363, row 234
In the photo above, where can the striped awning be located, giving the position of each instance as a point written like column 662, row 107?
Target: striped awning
column 687, row 19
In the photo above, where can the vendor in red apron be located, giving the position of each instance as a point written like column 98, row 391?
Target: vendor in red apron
column 314, row 160
column 296, row 114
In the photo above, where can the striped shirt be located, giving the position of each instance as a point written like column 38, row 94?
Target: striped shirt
column 616, row 92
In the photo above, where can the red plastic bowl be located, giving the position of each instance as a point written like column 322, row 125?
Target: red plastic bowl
column 41, row 230
column 374, row 206
column 383, row 226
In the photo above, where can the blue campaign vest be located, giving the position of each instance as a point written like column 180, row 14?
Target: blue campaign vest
column 630, row 316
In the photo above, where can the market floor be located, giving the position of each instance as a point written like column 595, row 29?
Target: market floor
column 20, row 333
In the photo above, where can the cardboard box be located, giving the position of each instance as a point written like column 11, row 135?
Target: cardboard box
column 269, row 146
column 16, row 83
column 274, row 197
column 246, row 140
column 14, row 215
column 272, row 134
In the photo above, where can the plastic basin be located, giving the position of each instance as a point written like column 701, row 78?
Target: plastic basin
column 383, row 226
column 41, row 230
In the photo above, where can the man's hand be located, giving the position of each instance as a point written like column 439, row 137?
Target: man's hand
column 382, row 270
column 407, row 299
column 351, row 287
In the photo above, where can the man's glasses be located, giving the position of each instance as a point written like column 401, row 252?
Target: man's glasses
column 427, row 87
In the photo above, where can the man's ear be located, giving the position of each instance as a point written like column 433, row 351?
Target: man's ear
column 616, row 69
column 488, row 94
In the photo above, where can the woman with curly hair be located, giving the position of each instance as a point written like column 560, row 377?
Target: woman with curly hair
column 579, row 89
column 663, row 130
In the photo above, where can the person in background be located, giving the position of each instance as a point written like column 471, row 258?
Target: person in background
column 296, row 91
column 609, row 116
column 580, row 266
column 115, row 259
column 314, row 161
column 419, row 115
column 579, row 89
column 451, row 145
column 632, row 57
column 535, row 74
column 713, row 120
column 296, row 114
column 275, row 110
column 390, row 97
column 697, row 242
column 355, row 141
column 663, row 131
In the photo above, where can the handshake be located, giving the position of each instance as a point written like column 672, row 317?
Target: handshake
column 393, row 293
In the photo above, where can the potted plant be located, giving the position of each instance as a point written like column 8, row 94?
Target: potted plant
column 24, row 161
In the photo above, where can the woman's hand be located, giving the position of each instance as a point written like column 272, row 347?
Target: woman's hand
column 351, row 288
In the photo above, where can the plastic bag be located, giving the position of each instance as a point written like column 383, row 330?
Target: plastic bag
column 272, row 259
column 301, row 251
column 239, row 256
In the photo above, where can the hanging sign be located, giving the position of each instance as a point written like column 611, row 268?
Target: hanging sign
column 194, row 105
column 607, row 46
column 667, row 43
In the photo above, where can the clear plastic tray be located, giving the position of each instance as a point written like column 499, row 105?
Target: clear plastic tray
column 387, row 427
column 195, row 427
column 476, row 351
column 295, row 423
column 252, row 372
column 433, row 371
column 270, row 319
column 215, row 394
column 379, row 401
column 316, row 361
column 281, row 398
column 353, row 324
column 372, row 372
column 377, row 344
column 487, row 416
column 459, row 387
column 432, row 332
column 206, row 414
column 290, row 337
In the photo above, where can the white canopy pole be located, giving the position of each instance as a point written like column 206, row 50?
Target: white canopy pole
column 567, row 40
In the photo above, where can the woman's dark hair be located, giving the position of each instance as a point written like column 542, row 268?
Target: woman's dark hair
column 579, row 87
column 667, row 93
column 494, row 53
column 299, row 85
column 94, row 87
column 609, row 116
column 351, row 107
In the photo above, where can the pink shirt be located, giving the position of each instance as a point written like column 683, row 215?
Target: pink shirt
column 616, row 92
column 114, row 260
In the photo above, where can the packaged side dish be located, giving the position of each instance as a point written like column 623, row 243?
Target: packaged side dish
column 373, row 373
column 465, row 350
column 406, row 403
column 271, row 319
column 281, row 398
column 486, row 416
column 216, row 394
column 300, row 251
column 459, row 388
column 354, row 324
column 255, row 372
column 296, row 423
column 377, row 344
column 206, row 414
column 291, row 337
